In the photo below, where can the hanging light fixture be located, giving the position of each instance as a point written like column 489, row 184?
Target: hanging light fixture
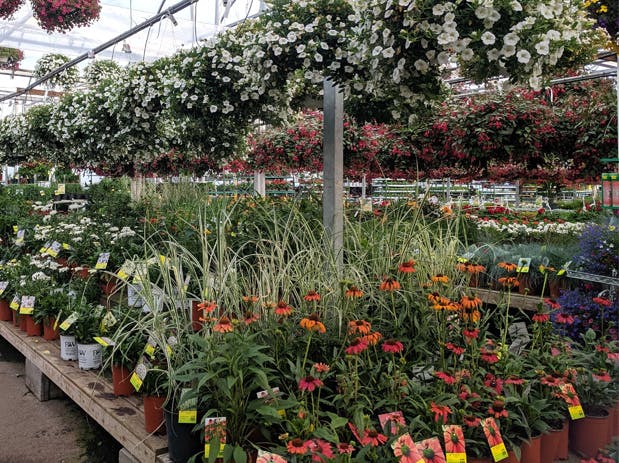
column 126, row 48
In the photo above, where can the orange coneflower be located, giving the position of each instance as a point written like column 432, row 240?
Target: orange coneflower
column 250, row 317
column 297, row 446
column 509, row 282
column 444, row 303
column 440, row 278
column 359, row 326
column 508, row 266
column 372, row 338
column 472, row 315
column 224, row 325
column 353, row 292
column 389, row 284
column 434, row 297
column 463, row 267
column 407, row 267
column 476, row 268
column 470, row 302
column 313, row 323
column 312, row 296
column 207, row 306
column 250, row 299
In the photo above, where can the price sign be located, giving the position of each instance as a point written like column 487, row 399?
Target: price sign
column 105, row 342
column 187, row 408
column 15, row 302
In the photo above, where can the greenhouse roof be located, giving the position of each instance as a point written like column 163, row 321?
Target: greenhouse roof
column 198, row 21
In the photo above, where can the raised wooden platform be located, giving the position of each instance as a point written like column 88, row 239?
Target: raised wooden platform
column 518, row 301
column 122, row 417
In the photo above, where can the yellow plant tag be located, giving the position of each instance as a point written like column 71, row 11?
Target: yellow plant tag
column 455, row 457
column 65, row 325
column 162, row 259
column 27, row 305
column 104, row 341
column 136, row 382
column 523, row 265
column 462, row 260
column 3, row 285
column 499, row 452
column 54, row 249
column 14, row 303
column 149, row 350
column 576, row 412
column 207, row 450
column 188, row 416
column 66, row 246
column 60, row 190
column 15, row 229
column 102, row 261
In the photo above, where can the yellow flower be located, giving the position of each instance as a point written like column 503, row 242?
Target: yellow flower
column 603, row 9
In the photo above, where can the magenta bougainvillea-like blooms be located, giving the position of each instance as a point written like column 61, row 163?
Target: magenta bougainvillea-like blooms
column 64, row 15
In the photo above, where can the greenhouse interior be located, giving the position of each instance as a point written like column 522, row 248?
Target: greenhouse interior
column 334, row 231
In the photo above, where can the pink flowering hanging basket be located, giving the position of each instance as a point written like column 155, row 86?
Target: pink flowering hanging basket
column 9, row 7
column 10, row 58
column 64, row 15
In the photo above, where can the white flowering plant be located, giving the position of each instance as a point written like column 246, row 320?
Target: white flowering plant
column 50, row 62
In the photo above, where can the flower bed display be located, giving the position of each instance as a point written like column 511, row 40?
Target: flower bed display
column 299, row 360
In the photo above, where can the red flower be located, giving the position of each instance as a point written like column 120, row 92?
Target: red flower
column 455, row 349
column 440, row 412
column 345, row 448
column 514, row 380
column 471, row 421
column 407, row 267
column 564, row 318
column 321, row 367
column 320, row 450
column 391, row 346
column 223, row 326
column 373, row 438
column 297, row 446
column 541, row 317
column 389, row 284
column 488, row 356
column 207, row 306
column 282, row 309
column 497, row 409
column 470, row 334
column 602, row 301
column 554, row 305
column 353, row 292
column 312, row 296
column 356, row 347
column 447, row 379
column 309, row 383
column 550, row 380
column 493, row 382
column 602, row 376
column 250, row 317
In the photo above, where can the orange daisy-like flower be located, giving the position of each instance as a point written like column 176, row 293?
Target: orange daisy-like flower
column 444, row 303
column 497, row 409
column 463, row 267
column 313, row 323
column 441, row 412
column 373, row 437
column 250, row 299
column 508, row 266
column 372, row 338
column 359, row 326
column 434, row 297
column 345, row 448
column 472, row 315
column 224, row 325
column 356, row 347
column 250, row 317
column 509, row 282
column 407, row 267
column 353, row 292
column 282, row 309
column 440, row 278
column 312, row 296
column 207, row 306
column 389, row 284
column 297, row 446
column 321, row 367
column 470, row 302
column 476, row 269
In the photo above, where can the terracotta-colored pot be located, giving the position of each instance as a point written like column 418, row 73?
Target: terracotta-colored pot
column 550, row 445
column 478, row 459
column 153, row 414
column 32, row 328
column 588, row 434
column 49, row 333
column 511, row 458
column 196, row 313
column 563, row 452
column 15, row 317
column 616, row 420
column 531, row 451
column 82, row 273
column 108, row 287
column 5, row 311
column 554, row 287
column 121, row 381
column 23, row 323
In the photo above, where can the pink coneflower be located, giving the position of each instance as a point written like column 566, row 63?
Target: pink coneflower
column 447, row 379
column 356, row 347
column 455, row 349
column 320, row 450
column 309, row 383
column 345, row 448
column 321, row 367
column 554, row 305
column 564, row 318
column 602, row 301
column 470, row 334
column 297, row 446
column 373, row 438
column 440, row 412
column 282, row 309
column 391, row 346
column 541, row 317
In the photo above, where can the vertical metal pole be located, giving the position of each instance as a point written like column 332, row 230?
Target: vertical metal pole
column 333, row 173
column 260, row 184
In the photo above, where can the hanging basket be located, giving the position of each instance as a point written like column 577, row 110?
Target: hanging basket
column 64, row 16
column 9, row 7
column 10, row 58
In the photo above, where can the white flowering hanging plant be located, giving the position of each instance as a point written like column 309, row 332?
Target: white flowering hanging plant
column 52, row 61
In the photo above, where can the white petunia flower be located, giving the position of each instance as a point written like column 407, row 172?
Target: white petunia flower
column 438, row 10
column 542, row 47
column 488, row 38
column 523, row 56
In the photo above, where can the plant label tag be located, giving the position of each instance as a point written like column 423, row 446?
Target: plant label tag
column 140, row 273
column 392, row 422
column 104, row 341
column 187, row 408
column 15, row 303
column 365, row 205
column 27, row 305
column 102, row 261
column 108, row 321
column 150, row 347
column 162, row 259
column 21, row 234
column 574, row 407
column 455, row 450
column 186, row 284
column 3, row 286
column 60, row 190
column 66, row 246
column 136, row 382
column 54, row 249
column 43, row 249
column 404, row 445
column 576, row 412
column 214, row 436
column 495, row 440
column 125, row 271
column 432, row 444
column 523, row 265
column 65, row 325
column 15, row 229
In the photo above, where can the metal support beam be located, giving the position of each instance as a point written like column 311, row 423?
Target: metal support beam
column 333, row 169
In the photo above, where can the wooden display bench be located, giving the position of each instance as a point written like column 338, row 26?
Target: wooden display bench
column 122, row 417
column 516, row 300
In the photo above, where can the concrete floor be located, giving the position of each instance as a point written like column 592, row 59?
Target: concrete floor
column 33, row 431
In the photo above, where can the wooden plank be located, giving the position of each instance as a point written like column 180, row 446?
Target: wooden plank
column 122, row 417
column 49, row 93
column 519, row 301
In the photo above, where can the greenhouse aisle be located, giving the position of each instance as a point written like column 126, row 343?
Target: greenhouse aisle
column 35, row 432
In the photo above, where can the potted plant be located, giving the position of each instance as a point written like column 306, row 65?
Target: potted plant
column 85, row 328
column 10, row 58
column 64, row 16
column 48, row 305
column 9, row 7
column 50, row 62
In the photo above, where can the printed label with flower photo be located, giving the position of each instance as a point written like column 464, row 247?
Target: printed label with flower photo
column 495, row 440
column 455, row 450
column 3, row 286
column 214, row 436
column 27, row 305
column 405, row 450
column 574, row 407
column 431, row 450
column 102, row 261
column 392, row 422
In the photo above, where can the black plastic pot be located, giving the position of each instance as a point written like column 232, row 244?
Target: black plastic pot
column 183, row 443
